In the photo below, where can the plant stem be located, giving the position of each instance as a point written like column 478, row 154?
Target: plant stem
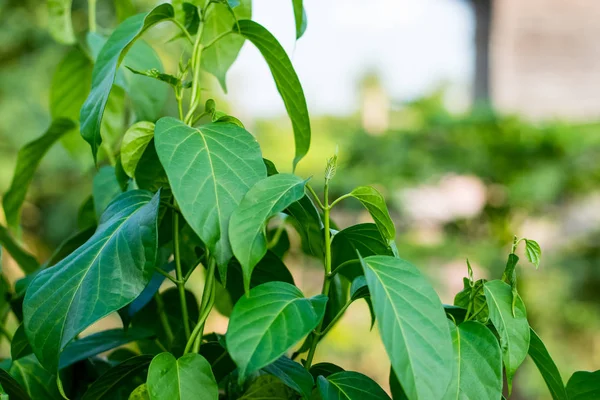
column 179, row 276
column 334, row 320
column 327, row 279
column 160, row 305
column 196, row 59
column 216, row 39
column 275, row 239
column 340, row 199
column 183, row 30
column 92, row 15
column 205, row 306
column 314, row 195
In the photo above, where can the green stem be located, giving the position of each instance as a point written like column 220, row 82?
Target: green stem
column 334, row 320
column 179, row 276
column 196, row 62
column 343, row 265
column 183, row 30
column 92, row 15
column 217, row 38
column 206, row 305
column 160, row 305
column 166, row 275
column 340, row 199
column 315, row 197
column 476, row 313
column 327, row 279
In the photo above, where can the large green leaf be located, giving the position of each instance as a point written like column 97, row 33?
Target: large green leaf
column 513, row 330
column 584, row 385
column 264, row 325
column 218, row 58
column 540, row 356
column 27, row 162
column 109, row 271
column 299, row 18
column 412, row 324
column 37, row 382
column 363, row 239
column 210, row 169
column 478, row 366
column 12, row 387
column 374, row 202
column 120, row 380
column 134, row 143
column 25, row 260
column 247, row 232
column 349, row 385
column 106, row 66
column 287, row 81
column 59, row 21
column 293, row 375
column 188, row 377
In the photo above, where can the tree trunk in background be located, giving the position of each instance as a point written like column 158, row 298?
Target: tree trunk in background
column 483, row 23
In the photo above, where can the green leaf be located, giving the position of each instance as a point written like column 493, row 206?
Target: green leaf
column 134, row 144
column 105, row 188
column 293, row 375
column 299, row 18
column 478, row 365
column 513, row 330
column 109, row 271
column 27, row 162
column 59, row 21
column 533, row 251
column 148, row 96
column 287, row 82
column 220, row 361
column 156, row 74
column 360, row 290
column 267, row 387
column 395, row 387
column 106, row 66
column 474, row 295
column 308, row 223
column 191, row 18
column 149, row 172
column 264, row 325
column 218, row 58
column 348, row 243
column 69, row 88
column 325, row 369
column 99, row 342
column 120, row 380
column 540, row 356
column 349, row 385
column 140, row 393
column 374, row 202
column 247, row 232
column 19, row 347
column 26, row 261
column 584, row 385
column 210, row 169
column 39, row 383
column 270, row 268
column 188, row 377
column 412, row 324
column 12, row 387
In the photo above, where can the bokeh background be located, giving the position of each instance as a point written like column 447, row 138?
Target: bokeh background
column 477, row 119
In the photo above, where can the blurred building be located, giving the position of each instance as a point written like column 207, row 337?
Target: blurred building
column 539, row 57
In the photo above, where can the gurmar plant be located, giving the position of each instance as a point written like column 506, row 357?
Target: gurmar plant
column 192, row 192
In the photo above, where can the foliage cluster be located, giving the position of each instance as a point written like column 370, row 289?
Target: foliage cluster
column 173, row 195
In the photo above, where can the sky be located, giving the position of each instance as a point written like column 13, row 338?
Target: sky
column 414, row 45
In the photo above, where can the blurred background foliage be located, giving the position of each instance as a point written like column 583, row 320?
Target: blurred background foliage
column 459, row 184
